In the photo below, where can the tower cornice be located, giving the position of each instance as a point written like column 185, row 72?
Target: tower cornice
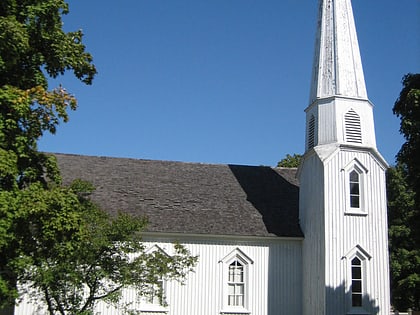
column 335, row 97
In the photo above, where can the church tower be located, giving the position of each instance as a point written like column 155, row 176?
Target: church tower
column 342, row 203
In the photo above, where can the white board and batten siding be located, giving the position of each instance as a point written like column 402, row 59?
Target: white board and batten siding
column 335, row 232
column 273, row 279
column 364, row 231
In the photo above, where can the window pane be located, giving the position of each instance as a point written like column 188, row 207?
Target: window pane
column 231, row 289
column 240, row 301
column 231, row 300
column 354, row 188
column 239, row 276
column 354, row 177
column 354, row 202
column 356, row 261
column 231, row 274
column 356, row 286
column 356, row 273
column 240, row 289
column 356, row 300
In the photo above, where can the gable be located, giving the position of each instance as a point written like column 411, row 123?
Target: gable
column 193, row 198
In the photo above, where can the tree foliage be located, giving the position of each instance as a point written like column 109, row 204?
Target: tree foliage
column 290, row 161
column 403, row 189
column 33, row 47
column 407, row 108
column 404, row 249
column 54, row 242
column 32, row 41
column 73, row 268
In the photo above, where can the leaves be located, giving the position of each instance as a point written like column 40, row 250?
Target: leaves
column 32, row 40
column 403, row 187
column 24, row 117
column 407, row 107
column 404, row 251
column 290, row 161
column 54, row 241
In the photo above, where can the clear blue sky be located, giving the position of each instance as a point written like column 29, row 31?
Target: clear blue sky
column 220, row 81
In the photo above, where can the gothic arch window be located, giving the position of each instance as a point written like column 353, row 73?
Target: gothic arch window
column 357, row 265
column 356, row 188
column 352, row 127
column 236, row 284
column 154, row 298
column 236, row 269
column 357, row 280
column 311, row 132
column 354, row 181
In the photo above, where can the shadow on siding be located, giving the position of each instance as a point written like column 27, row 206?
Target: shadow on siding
column 340, row 301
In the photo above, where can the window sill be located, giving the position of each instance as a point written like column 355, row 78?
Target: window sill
column 358, row 311
column 234, row 310
column 153, row 308
column 355, row 212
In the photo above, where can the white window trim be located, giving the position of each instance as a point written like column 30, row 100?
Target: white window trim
column 356, row 165
column 145, row 305
column 225, row 262
column 364, row 258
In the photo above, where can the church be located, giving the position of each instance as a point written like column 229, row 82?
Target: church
column 295, row 241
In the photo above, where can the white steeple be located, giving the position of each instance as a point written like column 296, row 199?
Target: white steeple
column 342, row 194
column 339, row 111
column 337, row 64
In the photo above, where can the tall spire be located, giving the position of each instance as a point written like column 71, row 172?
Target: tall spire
column 337, row 69
column 339, row 112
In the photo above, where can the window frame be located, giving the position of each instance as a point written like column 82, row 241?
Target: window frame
column 157, row 296
column 155, row 302
column 236, row 256
column 363, row 257
column 357, row 285
column 354, row 190
column 362, row 172
column 236, row 297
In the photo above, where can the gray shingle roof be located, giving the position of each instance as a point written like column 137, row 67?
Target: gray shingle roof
column 191, row 197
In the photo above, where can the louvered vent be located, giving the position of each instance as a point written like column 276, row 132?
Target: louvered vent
column 311, row 132
column 353, row 129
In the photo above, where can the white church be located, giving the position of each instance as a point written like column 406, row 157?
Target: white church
column 270, row 241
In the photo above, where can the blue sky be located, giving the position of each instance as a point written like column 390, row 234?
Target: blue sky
column 220, row 81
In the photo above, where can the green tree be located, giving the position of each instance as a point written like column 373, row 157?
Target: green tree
column 72, row 268
column 53, row 240
column 403, row 189
column 404, row 251
column 407, row 108
column 290, row 161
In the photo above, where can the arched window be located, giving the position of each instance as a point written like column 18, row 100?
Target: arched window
column 236, row 284
column 354, row 189
column 237, row 288
column 155, row 293
column 356, row 283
